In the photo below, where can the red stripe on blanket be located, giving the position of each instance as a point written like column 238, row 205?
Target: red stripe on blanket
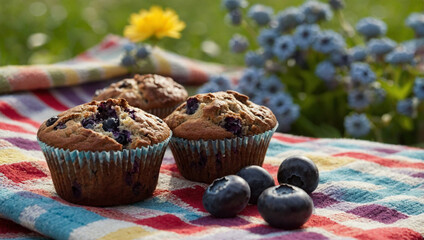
column 376, row 233
column 382, row 161
column 14, row 128
column 19, row 172
column 107, row 44
column 289, row 139
column 170, row 222
column 50, row 100
column 11, row 113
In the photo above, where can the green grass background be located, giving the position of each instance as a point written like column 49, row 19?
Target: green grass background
column 75, row 25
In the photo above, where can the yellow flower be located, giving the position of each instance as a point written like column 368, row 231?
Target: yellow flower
column 155, row 22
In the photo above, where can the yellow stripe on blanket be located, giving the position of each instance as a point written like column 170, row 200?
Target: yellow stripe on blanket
column 71, row 76
column 10, row 155
column 111, row 71
column 127, row 234
column 326, row 162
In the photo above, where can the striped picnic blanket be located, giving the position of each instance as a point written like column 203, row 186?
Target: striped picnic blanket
column 103, row 62
column 367, row 190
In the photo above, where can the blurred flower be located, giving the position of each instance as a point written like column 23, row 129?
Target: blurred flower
column 268, row 54
column 284, row 47
column 231, row 5
column 416, row 22
column 419, row 88
column 128, row 47
column 154, row 23
column 380, row 46
column 222, row 82
column 235, row 17
column 287, row 117
column 209, row 87
column 400, row 56
column 329, row 41
column 261, row 98
column 289, row 19
column 357, row 125
column 143, row 52
column 305, row 35
column 267, row 38
column 315, row 11
column 379, row 94
column 362, row 73
column 249, row 79
column 272, row 85
column 407, row 107
column 280, row 103
column 341, row 58
column 325, row 71
column 238, row 43
column 128, row 60
column 371, row 27
column 253, row 59
column 358, row 99
column 358, row 53
column 260, row 14
column 336, row 4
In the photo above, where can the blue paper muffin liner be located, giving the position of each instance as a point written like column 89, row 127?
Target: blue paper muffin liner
column 105, row 178
column 205, row 160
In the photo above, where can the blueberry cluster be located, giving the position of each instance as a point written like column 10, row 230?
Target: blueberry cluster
column 134, row 54
column 108, row 117
column 286, row 206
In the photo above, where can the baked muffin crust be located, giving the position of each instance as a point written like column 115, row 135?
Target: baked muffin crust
column 103, row 126
column 220, row 115
column 145, row 91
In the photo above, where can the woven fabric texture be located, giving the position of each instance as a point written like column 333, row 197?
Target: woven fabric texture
column 367, row 190
column 103, row 62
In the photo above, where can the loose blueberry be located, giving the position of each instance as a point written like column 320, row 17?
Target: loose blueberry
column 233, row 125
column 226, row 196
column 61, row 125
column 51, row 121
column 192, row 105
column 258, row 179
column 110, row 124
column 123, row 137
column 285, row 206
column 299, row 171
column 88, row 123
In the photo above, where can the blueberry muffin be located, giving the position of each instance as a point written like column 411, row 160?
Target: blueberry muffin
column 153, row 93
column 217, row 134
column 104, row 153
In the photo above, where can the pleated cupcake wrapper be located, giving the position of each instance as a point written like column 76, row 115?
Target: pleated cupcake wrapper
column 162, row 112
column 105, row 178
column 205, row 160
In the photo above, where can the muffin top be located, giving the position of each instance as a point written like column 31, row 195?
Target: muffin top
column 145, row 91
column 220, row 115
column 103, row 126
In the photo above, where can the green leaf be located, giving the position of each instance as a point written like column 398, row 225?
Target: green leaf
column 406, row 123
column 392, row 90
column 327, row 131
column 406, row 89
